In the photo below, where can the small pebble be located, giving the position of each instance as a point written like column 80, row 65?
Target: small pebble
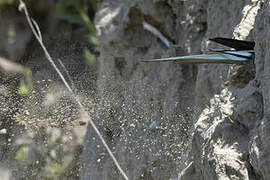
column 153, row 125
column 3, row 131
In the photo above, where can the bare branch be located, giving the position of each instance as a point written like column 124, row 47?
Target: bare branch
column 37, row 28
column 154, row 31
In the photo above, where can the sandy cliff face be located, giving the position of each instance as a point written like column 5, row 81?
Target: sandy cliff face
column 211, row 120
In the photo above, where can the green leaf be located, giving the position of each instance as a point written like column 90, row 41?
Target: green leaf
column 21, row 154
column 87, row 21
column 6, row 2
column 24, row 90
column 93, row 40
column 90, row 58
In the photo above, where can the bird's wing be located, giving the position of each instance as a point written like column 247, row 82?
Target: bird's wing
column 249, row 54
column 234, row 43
column 204, row 58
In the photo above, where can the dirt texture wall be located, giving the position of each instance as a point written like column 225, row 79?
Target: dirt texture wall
column 211, row 121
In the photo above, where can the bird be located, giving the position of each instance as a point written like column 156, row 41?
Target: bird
column 242, row 53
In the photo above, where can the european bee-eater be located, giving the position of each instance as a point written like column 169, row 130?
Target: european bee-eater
column 243, row 53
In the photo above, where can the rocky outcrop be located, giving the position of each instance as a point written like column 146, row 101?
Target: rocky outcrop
column 259, row 142
column 211, row 120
